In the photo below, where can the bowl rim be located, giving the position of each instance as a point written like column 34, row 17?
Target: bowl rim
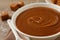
column 54, row 35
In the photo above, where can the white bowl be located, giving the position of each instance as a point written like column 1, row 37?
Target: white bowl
column 19, row 11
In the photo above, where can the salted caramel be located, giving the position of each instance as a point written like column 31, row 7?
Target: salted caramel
column 39, row 21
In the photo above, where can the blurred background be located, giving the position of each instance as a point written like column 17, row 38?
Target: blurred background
column 5, row 31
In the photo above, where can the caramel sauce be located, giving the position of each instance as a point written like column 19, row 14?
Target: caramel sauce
column 39, row 21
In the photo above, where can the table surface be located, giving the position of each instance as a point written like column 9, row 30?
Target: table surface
column 5, row 6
